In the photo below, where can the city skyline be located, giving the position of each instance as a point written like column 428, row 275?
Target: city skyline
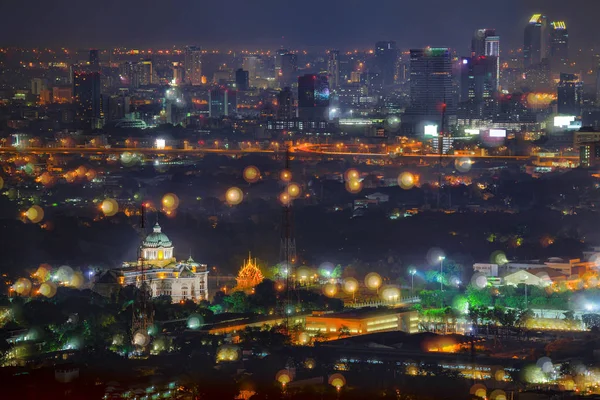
column 433, row 23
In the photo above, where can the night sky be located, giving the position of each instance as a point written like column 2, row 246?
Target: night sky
column 263, row 23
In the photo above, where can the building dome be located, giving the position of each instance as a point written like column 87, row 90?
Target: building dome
column 157, row 239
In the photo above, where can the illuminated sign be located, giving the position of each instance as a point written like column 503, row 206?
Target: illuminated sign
column 160, row 144
column 431, row 130
column 472, row 131
column 498, row 133
column 559, row 25
column 563, row 121
column 536, row 19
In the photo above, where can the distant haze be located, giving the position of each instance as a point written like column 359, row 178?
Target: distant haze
column 288, row 23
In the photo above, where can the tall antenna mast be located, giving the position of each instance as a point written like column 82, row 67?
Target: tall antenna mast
column 287, row 250
column 143, row 317
column 441, row 150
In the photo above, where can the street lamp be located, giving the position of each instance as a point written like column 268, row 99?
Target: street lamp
column 524, row 281
column 441, row 258
column 412, row 273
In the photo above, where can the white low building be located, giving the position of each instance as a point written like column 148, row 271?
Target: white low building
column 164, row 275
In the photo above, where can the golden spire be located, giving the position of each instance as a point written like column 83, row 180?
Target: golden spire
column 249, row 275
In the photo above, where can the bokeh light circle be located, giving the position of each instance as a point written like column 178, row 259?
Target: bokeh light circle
column 479, row 281
column 294, row 190
column 285, row 175
column 351, row 175
column 498, row 257
column 373, row 280
column 195, row 321
column 545, row 364
column 337, row 381
column 35, row 214
column 64, row 274
column 76, row 280
column 390, row 293
column 354, row 186
column 463, row 164
column 234, row 196
column 350, row 285
column 283, row 377
column 285, row 198
column 330, row 290
column 251, row 174
column 310, row 363
column 406, row 180
column 109, row 207
column 170, row 202
column 22, row 286
column 48, row 289
column 141, row 338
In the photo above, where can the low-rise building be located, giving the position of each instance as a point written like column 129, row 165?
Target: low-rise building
column 363, row 321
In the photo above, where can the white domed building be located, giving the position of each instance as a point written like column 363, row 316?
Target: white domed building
column 182, row 280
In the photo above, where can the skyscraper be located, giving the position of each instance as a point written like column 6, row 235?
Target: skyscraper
column 485, row 43
column 193, row 65
column 145, row 73
column 278, row 54
column 431, row 90
column 535, row 47
column 333, row 68
column 313, row 97
column 570, row 91
column 178, row 73
column 386, row 58
column 87, row 98
column 222, row 102
column 251, row 64
column 285, row 105
column 478, row 95
column 242, row 79
column 289, row 70
column 559, row 43
column 94, row 57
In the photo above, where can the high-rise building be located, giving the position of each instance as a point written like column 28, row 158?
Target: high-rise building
column 285, row 105
column 117, row 107
column 178, row 73
column 289, row 70
column 94, row 57
column 193, row 65
column 144, row 72
column 222, row 102
column 431, row 89
column 535, row 46
column 598, row 85
column 278, row 54
column 37, row 85
column 485, row 43
column 559, row 43
column 87, row 98
column 386, row 58
column 333, row 68
column 570, row 91
column 479, row 84
column 313, row 97
column 242, row 79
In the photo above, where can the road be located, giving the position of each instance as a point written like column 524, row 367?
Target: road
column 329, row 151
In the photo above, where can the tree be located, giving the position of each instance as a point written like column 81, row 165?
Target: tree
column 237, row 302
column 591, row 320
column 524, row 316
column 479, row 297
column 344, row 331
